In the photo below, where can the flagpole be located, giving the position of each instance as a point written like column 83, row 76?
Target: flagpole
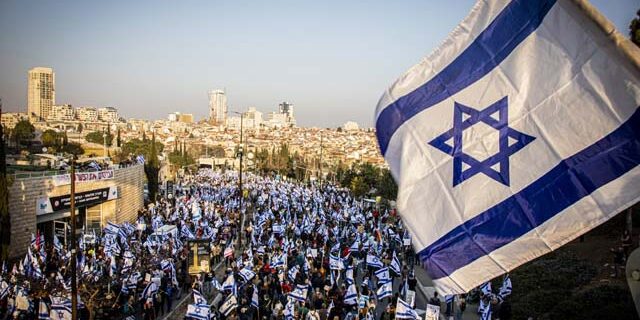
column 624, row 45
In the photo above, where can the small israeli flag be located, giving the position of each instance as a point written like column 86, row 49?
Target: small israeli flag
column 229, row 305
column 383, row 274
column 485, row 288
column 485, row 309
column 355, row 246
column 374, row 261
column 335, row 263
column 56, row 244
column 298, row 294
column 254, row 298
column 43, row 311
column 405, row 311
column 349, row 275
column 229, row 282
column 505, row 289
column 246, row 274
column 292, row 273
column 198, row 298
column 351, row 296
column 518, row 134
column 395, row 264
column 199, row 312
column 385, row 290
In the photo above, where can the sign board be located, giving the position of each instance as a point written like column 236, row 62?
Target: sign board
column 61, row 228
column 83, row 199
column 199, row 254
column 170, row 189
column 411, row 298
column 432, row 312
column 65, row 179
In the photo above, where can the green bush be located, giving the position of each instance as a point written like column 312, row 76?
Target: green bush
column 97, row 137
column 606, row 301
column 542, row 284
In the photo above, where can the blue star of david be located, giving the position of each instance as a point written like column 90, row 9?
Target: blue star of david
column 500, row 160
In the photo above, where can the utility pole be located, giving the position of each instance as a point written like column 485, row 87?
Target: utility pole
column 104, row 143
column 241, row 153
column 321, row 159
column 74, row 244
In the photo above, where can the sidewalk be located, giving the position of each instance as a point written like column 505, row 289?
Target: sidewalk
column 426, row 289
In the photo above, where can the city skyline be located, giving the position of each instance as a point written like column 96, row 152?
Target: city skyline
column 151, row 60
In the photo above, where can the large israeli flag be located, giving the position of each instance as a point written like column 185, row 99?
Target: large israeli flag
column 518, row 134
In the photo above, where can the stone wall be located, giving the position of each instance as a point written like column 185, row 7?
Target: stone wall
column 24, row 192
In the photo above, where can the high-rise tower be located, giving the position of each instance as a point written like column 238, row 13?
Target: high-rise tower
column 217, row 107
column 41, row 93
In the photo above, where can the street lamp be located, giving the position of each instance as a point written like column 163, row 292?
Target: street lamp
column 74, row 243
column 104, row 141
column 241, row 155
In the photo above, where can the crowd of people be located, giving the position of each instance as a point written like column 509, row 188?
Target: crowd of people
column 276, row 250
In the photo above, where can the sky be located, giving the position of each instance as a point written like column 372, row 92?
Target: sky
column 331, row 59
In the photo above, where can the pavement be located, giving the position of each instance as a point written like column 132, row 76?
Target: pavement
column 425, row 290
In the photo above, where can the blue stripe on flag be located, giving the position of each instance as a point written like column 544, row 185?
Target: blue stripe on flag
column 491, row 46
column 571, row 180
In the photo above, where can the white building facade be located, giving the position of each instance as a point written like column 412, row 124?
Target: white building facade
column 41, row 93
column 217, row 107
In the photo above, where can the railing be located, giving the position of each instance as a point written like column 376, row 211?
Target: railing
column 48, row 173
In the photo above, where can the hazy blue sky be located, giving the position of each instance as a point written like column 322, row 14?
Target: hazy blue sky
column 332, row 59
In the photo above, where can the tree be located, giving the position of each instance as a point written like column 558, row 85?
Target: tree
column 140, row 147
column 97, row 137
column 5, row 220
column 118, row 141
column 218, row 152
column 634, row 29
column 387, row 187
column 80, row 127
column 23, row 131
column 50, row 138
column 151, row 169
column 65, row 139
column 73, row 148
column 359, row 187
column 180, row 160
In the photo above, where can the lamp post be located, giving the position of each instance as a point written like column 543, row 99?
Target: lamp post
column 241, row 155
column 104, row 143
column 74, row 243
column 320, row 159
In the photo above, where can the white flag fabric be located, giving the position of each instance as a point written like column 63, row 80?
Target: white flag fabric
column 229, row 282
column 229, row 305
column 405, row 311
column 299, row 294
column 43, row 311
column 518, row 134
column 385, row 290
column 395, row 264
column 198, row 298
column 197, row 311
column 351, row 296
column 247, row 274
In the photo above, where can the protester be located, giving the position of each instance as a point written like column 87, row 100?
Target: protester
column 291, row 250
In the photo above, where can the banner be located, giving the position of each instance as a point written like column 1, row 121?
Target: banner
column 432, row 312
column 86, row 198
column 65, row 179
